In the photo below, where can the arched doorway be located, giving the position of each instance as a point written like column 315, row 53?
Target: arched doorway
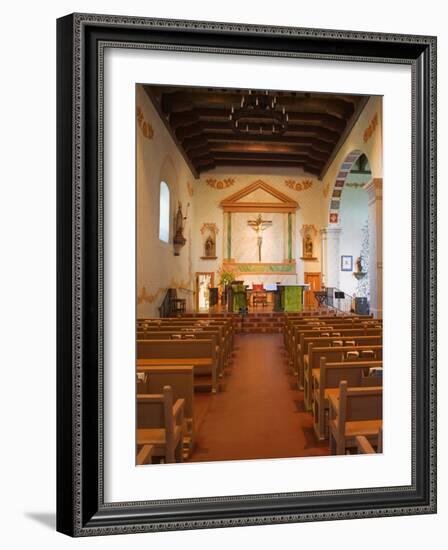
column 354, row 236
column 352, row 240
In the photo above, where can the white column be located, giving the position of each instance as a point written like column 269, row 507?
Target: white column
column 330, row 256
column 375, row 193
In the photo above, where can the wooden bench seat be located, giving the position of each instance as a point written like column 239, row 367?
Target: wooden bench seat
column 224, row 326
column 366, row 348
column 325, row 382
column 201, row 354
column 291, row 329
column 152, row 380
column 221, row 347
column 160, row 424
column 354, row 412
column 305, row 338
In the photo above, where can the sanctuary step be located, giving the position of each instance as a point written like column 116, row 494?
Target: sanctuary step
column 255, row 322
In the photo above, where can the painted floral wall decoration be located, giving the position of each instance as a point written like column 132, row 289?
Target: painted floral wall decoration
column 145, row 127
column 299, row 185
column 211, row 226
column 220, row 184
column 368, row 132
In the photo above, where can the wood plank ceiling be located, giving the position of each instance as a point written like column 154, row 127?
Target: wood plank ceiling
column 216, row 127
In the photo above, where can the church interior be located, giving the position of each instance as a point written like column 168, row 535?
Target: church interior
column 258, row 274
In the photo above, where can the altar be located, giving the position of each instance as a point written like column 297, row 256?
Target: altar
column 291, row 297
column 285, row 297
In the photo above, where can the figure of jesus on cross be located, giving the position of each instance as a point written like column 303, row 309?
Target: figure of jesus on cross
column 259, row 225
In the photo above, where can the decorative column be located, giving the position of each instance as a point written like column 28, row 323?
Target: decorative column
column 289, row 236
column 375, row 193
column 330, row 256
column 229, row 235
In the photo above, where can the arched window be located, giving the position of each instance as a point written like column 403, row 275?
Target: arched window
column 164, row 212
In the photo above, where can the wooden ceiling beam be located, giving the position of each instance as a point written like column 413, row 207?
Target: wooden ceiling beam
column 262, row 163
column 198, row 120
column 294, row 130
column 179, row 101
column 199, row 152
column 216, row 148
column 265, row 156
column 194, row 115
column 283, row 139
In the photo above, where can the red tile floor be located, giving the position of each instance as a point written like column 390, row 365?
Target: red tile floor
column 259, row 413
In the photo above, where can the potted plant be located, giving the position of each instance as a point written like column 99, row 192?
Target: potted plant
column 226, row 276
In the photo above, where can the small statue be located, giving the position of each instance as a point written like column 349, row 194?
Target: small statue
column 308, row 246
column 179, row 240
column 359, row 264
column 210, row 247
column 179, row 222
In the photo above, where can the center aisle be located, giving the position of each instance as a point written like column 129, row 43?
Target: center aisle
column 259, row 413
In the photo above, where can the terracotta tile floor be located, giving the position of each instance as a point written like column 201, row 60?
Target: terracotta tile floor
column 260, row 412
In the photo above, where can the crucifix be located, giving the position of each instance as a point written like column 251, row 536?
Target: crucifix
column 259, row 225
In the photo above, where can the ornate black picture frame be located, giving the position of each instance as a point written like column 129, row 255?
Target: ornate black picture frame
column 81, row 509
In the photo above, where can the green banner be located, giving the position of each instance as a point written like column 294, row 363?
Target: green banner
column 263, row 268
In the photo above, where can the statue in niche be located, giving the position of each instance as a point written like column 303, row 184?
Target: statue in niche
column 359, row 264
column 210, row 249
column 308, row 246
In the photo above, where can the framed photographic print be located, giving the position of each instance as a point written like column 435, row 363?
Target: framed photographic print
column 219, row 362
column 346, row 263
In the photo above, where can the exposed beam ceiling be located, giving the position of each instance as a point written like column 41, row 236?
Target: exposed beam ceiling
column 200, row 123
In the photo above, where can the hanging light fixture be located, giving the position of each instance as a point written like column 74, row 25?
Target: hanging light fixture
column 259, row 113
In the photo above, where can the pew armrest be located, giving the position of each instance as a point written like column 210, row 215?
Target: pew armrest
column 364, row 447
column 178, row 410
column 145, row 454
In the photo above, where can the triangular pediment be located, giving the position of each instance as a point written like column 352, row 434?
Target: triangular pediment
column 259, row 197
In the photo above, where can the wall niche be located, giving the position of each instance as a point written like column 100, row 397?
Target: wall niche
column 309, row 233
column 209, row 232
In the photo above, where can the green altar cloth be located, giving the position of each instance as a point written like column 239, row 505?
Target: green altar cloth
column 292, row 297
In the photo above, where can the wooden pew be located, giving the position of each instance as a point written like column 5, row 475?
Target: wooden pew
column 160, row 424
column 191, row 324
column 201, row 354
column 326, row 379
column 180, row 379
column 338, row 337
column 170, row 334
column 366, row 352
column 334, row 323
column 354, row 412
column 224, row 336
column 144, row 325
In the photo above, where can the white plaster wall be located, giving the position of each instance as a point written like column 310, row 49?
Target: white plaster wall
column 157, row 267
column 244, row 238
column 354, row 214
column 207, row 210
